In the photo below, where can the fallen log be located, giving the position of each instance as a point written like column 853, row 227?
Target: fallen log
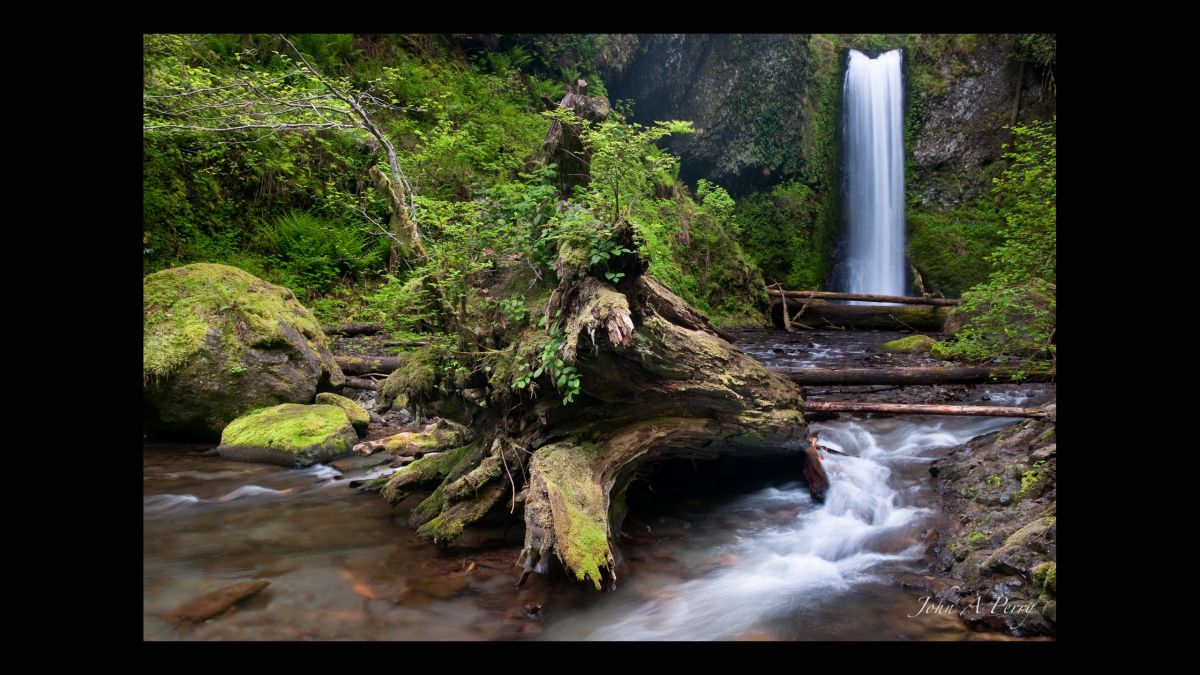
column 360, row 383
column 924, row 409
column 935, row 375
column 406, row 343
column 823, row 314
column 361, row 365
column 865, row 297
column 354, row 329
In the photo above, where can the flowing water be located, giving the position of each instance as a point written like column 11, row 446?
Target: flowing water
column 874, row 138
column 762, row 562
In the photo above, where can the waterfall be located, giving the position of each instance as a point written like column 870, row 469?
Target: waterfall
column 874, row 136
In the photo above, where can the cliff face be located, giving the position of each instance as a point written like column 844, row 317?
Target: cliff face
column 758, row 99
column 769, row 105
column 961, row 94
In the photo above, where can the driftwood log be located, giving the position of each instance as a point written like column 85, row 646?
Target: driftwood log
column 361, row 365
column 863, row 297
column 824, row 314
column 361, row 383
column 933, row 375
column 354, row 329
column 925, row 409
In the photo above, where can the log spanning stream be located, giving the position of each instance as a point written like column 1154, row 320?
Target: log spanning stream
column 755, row 559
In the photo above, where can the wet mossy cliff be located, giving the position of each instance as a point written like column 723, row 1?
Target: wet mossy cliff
column 769, row 107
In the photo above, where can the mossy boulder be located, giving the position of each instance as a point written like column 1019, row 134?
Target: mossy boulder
column 218, row 342
column 913, row 344
column 357, row 415
column 289, row 434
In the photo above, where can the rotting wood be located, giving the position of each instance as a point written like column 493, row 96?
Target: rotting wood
column 361, row 365
column 361, row 383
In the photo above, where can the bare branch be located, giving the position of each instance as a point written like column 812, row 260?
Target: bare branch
column 370, row 126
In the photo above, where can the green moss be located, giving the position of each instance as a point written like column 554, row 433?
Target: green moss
column 913, row 344
column 788, row 233
column 994, row 480
column 976, row 538
column 448, row 524
column 358, row 417
column 415, row 381
column 411, row 442
column 1045, row 575
column 938, row 350
column 287, row 427
column 949, row 248
column 708, row 266
column 181, row 305
column 1031, row 483
column 579, row 506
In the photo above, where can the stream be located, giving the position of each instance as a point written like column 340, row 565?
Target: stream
column 758, row 560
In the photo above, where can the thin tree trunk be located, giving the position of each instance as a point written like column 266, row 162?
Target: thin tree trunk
column 787, row 314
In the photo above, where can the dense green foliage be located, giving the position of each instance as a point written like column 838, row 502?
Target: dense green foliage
column 295, row 205
column 949, row 249
column 784, row 230
column 1013, row 313
column 254, row 159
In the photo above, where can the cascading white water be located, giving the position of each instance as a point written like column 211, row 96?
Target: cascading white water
column 789, row 571
column 874, row 138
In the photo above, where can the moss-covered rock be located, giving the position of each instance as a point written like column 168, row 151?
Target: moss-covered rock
column 1045, row 575
column 218, row 342
column 358, row 416
column 289, row 434
column 913, row 344
column 442, row 435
